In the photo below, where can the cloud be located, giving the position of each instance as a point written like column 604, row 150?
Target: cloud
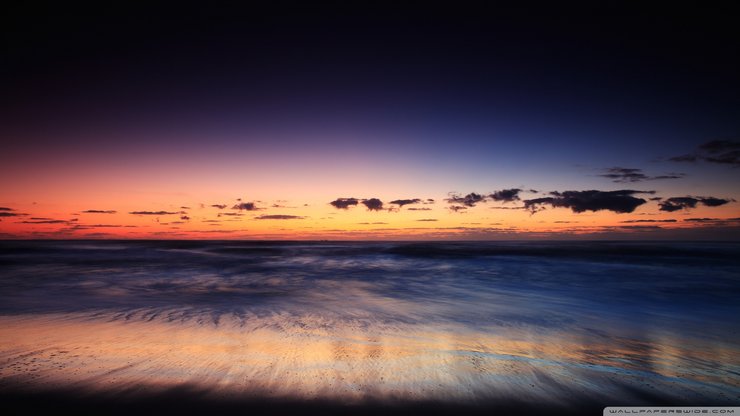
column 716, row 151
column 155, row 212
column 219, row 206
column 687, row 202
column 11, row 214
column 627, row 175
column 279, row 217
column 621, row 201
column 506, row 195
column 344, row 203
column 5, row 212
column 246, row 206
column 427, row 219
column 373, row 204
column 457, row 208
column 713, row 220
column 46, row 222
column 468, row 200
column 402, row 202
column 99, row 211
column 184, row 217
column 637, row 221
column 419, row 209
column 184, row 207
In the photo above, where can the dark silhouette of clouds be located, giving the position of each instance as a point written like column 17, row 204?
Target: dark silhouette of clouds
column 155, row 212
column 6, row 212
column 627, row 175
column 402, row 202
column 716, row 151
column 688, row 202
column 622, row 201
column 46, row 222
column 246, row 206
column 457, row 208
column 469, row 200
column 713, row 220
column 419, row 209
column 279, row 217
column 506, row 195
column 184, row 217
column 639, row 221
column 99, row 211
column 219, row 206
column 427, row 219
column 11, row 214
column 373, row 204
column 344, row 203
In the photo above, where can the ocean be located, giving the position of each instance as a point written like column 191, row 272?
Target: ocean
column 437, row 326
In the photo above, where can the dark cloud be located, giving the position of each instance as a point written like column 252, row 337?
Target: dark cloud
column 219, row 206
column 621, row 201
column 99, row 211
column 344, row 203
column 713, row 220
column 507, row 207
column 402, row 202
column 231, row 214
column 418, row 209
column 427, row 219
column 155, row 212
column 687, row 202
column 457, row 208
column 5, row 212
column 373, row 223
column 468, row 200
column 184, row 207
column 506, row 195
column 429, row 201
column 716, row 151
column 11, row 214
column 626, row 175
column 246, row 206
column 279, row 217
column 46, row 222
column 373, row 204
column 184, row 217
column 638, row 221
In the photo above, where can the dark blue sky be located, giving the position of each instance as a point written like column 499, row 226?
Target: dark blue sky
column 448, row 98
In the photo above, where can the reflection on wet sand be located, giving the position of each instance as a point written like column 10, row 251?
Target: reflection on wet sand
column 310, row 357
column 461, row 324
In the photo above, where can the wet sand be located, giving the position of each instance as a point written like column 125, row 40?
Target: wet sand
column 387, row 335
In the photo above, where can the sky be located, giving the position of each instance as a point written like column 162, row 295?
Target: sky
column 355, row 122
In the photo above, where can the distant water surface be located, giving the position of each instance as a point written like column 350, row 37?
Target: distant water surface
column 553, row 323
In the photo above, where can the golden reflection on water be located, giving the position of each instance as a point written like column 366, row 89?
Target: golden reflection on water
column 309, row 357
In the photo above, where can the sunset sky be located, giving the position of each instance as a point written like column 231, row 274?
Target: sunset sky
column 309, row 122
